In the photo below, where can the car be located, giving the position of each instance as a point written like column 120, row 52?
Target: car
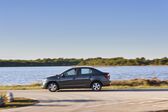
column 77, row 77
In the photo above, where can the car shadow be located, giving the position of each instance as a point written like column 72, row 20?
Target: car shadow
column 73, row 101
column 51, row 103
column 112, row 90
column 159, row 111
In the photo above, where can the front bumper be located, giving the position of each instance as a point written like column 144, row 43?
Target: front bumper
column 44, row 84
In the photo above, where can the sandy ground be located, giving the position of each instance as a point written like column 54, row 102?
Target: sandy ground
column 88, row 101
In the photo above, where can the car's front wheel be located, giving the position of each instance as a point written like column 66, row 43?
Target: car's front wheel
column 52, row 87
column 96, row 86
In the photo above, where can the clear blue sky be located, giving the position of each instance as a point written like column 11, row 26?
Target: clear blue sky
column 31, row 29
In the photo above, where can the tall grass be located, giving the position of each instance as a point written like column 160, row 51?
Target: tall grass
column 117, row 84
column 140, row 82
column 22, row 87
column 3, row 98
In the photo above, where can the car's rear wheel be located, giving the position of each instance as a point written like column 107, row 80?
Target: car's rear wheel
column 52, row 87
column 96, row 86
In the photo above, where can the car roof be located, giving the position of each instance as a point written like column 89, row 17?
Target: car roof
column 83, row 67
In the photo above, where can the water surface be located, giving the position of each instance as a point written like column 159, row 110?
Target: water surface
column 28, row 75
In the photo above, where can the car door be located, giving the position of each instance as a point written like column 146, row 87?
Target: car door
column 67, row 79
column 83, row 79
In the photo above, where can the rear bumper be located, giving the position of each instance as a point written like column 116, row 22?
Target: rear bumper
column 106, row 83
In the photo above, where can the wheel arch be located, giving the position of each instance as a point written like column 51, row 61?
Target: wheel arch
column 52, row 82
column 95, row 81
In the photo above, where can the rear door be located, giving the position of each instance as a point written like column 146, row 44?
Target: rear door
column 83, row 77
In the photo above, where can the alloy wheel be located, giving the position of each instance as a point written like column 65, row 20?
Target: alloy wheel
column 52, row 87
column 96, row 86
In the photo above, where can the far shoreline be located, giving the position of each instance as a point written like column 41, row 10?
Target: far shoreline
column 98, row 61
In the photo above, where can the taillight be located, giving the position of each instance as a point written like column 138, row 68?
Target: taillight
column 107, row 76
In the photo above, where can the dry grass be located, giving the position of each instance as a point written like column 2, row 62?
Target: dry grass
column 118, row 84
column 22, row 87
column 19, row 102
column 141, row 82
column 159, row 111
column 3, row 96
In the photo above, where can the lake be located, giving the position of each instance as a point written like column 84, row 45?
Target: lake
column 28, row 75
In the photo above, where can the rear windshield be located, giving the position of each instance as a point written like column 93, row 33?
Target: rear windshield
column 97, row 72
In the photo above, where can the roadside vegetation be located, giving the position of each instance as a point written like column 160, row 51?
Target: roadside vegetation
column 118, row 84
column 139, row 84
column 118, row 61
column 21, row 87
column 17, row 102
column 159, row 111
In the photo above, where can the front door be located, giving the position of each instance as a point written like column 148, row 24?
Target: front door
column 68, row 79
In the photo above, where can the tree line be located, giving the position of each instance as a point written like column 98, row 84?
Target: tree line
column 118, row 61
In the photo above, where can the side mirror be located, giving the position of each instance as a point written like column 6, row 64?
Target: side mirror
column 62, row 75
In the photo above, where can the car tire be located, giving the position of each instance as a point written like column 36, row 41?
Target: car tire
column 52, row 87
column 96, row 86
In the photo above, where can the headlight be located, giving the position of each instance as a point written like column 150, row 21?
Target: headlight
column 44, row 81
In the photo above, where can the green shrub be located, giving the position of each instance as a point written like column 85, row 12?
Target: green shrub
column 140, row 82
column 2, row 99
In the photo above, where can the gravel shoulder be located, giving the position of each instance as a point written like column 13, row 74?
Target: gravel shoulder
column 89, row 101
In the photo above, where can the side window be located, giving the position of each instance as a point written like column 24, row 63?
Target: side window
column 85, row 71
column 70, row 72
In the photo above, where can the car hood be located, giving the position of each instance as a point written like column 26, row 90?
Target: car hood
column 54, row 77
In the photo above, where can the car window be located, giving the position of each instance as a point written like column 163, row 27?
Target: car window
column 70, row 72
column 97, row 72
column 85, row 71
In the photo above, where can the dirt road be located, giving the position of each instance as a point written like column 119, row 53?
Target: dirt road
column 88, row 101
